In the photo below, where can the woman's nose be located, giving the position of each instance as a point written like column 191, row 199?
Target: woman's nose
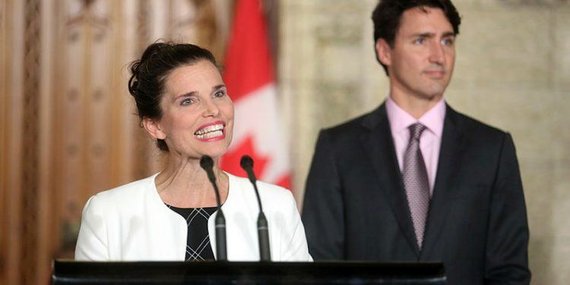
column 211, row 109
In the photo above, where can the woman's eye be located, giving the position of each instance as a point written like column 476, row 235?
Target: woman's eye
column 220, row 93
column 187, row 101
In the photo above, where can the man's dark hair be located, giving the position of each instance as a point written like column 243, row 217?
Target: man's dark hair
column 388, row 14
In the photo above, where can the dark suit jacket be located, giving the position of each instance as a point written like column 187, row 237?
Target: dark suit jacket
column 355, row 206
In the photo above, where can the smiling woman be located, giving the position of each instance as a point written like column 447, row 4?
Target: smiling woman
column 197, row 113
column 183, row 104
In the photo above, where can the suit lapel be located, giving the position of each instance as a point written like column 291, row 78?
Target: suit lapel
column 448, row 167
column 383, row 156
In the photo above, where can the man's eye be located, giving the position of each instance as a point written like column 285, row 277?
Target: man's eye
column 448, row 41
column 419, row 41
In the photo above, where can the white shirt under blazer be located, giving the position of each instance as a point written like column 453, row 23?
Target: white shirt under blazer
column 132, row 223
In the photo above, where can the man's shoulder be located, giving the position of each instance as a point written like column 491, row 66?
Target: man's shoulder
column 363, row 122
column 474, row 127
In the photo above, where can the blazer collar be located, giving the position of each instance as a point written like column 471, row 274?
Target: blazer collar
column 378, row 140
column 452, row 145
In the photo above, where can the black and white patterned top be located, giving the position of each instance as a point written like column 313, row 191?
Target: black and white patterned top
column 198, row 246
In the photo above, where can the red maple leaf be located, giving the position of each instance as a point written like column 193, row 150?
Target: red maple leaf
column 231, row 160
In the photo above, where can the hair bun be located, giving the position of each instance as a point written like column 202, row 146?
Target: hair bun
column 133, row 81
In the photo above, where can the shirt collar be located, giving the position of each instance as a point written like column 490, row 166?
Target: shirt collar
column 400, row 120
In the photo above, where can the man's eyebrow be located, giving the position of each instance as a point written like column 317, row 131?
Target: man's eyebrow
column 432, row 35
column 424, row 35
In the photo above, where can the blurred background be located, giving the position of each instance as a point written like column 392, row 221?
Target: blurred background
column 68, row 127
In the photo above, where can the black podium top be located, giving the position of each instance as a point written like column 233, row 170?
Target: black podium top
column 170, row 273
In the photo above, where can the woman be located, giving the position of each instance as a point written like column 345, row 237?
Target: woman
column 183, row 104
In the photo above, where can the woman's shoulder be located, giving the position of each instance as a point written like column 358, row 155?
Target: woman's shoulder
column 271, row 194
column 269, row 188
column 126, row 192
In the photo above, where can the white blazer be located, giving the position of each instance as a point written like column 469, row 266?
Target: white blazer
column 132, row 223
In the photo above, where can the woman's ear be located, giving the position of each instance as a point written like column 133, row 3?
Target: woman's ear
column 384, row 52
column 153, row 128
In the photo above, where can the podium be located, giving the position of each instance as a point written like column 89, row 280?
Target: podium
column 67, row 272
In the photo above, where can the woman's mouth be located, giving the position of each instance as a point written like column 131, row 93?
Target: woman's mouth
column 210, row 132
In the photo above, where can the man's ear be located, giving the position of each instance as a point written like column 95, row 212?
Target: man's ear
column 384, row 52
column 153, row 128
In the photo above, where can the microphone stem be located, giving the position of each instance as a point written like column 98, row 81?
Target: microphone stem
column 254, row 182
column 217, row 190
column 262, row 228
column 263, row 236
column 220, row 221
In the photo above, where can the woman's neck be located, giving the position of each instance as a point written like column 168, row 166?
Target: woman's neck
column 186, row 185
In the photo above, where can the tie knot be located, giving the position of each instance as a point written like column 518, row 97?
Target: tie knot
column 416, row 131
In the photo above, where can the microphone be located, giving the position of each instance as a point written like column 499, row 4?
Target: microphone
column 207, row 164
column 262, row 229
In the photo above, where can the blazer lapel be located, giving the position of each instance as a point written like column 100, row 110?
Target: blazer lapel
column 448, row 167
column 383, row 156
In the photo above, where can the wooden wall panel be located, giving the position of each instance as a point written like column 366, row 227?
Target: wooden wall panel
column 47, row 238
column 30, row 234
column 3, row 135
column 11, row 254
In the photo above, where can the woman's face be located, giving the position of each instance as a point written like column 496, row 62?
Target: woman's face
column 198, row 114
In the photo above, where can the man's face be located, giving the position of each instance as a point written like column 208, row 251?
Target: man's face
column 420, row 63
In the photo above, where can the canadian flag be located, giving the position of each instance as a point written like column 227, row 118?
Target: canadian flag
column 250, row 79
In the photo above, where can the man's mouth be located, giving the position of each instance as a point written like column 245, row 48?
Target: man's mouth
column 436, row 74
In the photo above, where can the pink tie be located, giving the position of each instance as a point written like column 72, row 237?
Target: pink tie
column 416, row 181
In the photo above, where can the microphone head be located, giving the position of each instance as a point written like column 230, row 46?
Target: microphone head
column 246, row 162
column 206, row 162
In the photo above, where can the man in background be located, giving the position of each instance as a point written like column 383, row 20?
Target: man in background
column 414, row 180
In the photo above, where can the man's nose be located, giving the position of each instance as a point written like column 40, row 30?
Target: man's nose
column 437, row 53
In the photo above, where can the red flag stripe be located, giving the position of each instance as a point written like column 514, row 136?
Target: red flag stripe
column 251, row 84
column 248, row 47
